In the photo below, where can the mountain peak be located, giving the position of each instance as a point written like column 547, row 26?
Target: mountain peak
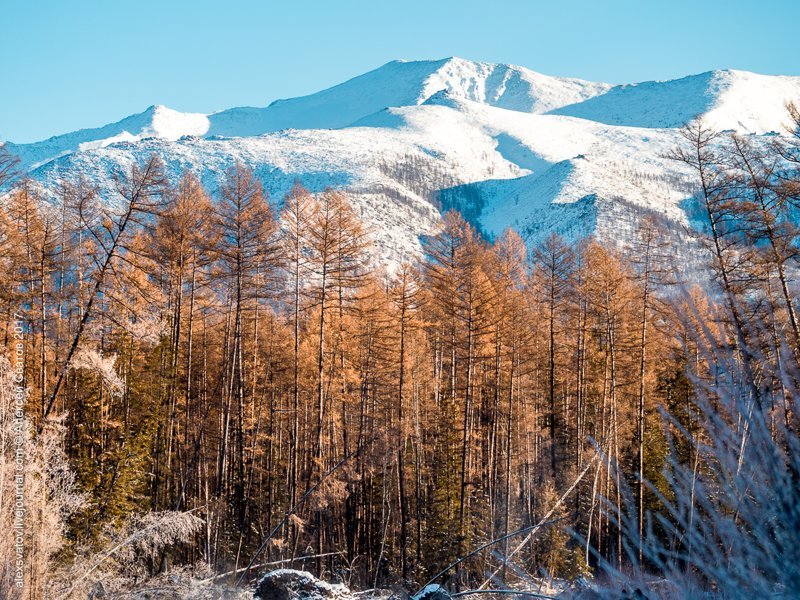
column 169, row 124
column 408, row 83
column 724, row 98
column 727, row 98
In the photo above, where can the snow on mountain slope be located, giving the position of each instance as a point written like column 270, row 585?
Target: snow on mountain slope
column 563, row 159
column 403, row 165
column 401, row 83
column 504, row 145
column 392, row 176
column 398, row 83
column 156, row 121
column 738, row 100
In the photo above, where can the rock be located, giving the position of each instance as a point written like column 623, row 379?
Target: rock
column 432, row 592
column 289, row 584
column 97, row 591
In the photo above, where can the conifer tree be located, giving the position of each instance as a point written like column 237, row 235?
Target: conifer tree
column 247, row 257
column 554, row 264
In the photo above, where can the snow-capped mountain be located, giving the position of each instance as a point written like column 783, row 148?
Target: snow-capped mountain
column 398, row 83
column 738, row 100
column 505, row 145
column 156, row 121
column 402, row 83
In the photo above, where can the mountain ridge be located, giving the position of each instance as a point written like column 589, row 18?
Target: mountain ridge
column 726, row 98
column 396, row 83
column 419, row 137
column 413, row 82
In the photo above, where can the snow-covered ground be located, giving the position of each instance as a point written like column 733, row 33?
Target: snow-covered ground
column 507, row 146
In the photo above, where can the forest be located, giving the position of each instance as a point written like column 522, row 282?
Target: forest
column 193, row 379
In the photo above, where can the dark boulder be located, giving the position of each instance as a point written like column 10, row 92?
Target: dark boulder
column 432, row 592
column 288, row 584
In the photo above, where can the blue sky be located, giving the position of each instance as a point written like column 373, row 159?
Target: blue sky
column 67, row 65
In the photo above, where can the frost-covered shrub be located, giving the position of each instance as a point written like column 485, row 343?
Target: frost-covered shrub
column 131, row 554
column 148, row 535
column 731, row 528
column 102, row 366
column 46, row 499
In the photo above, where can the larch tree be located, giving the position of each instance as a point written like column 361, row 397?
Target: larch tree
column 181, row 243
column 554, row 262
column 139, row 196
column 726, row 231
column 298, row 214
column 247, row 256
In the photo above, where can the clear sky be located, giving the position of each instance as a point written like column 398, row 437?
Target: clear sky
column 65, row 65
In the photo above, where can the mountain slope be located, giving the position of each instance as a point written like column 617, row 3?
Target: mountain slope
column 156, row 121
column 505, row 146
column 404, row 165
column 401, row 83
column 738, row 100
column 398, row 83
